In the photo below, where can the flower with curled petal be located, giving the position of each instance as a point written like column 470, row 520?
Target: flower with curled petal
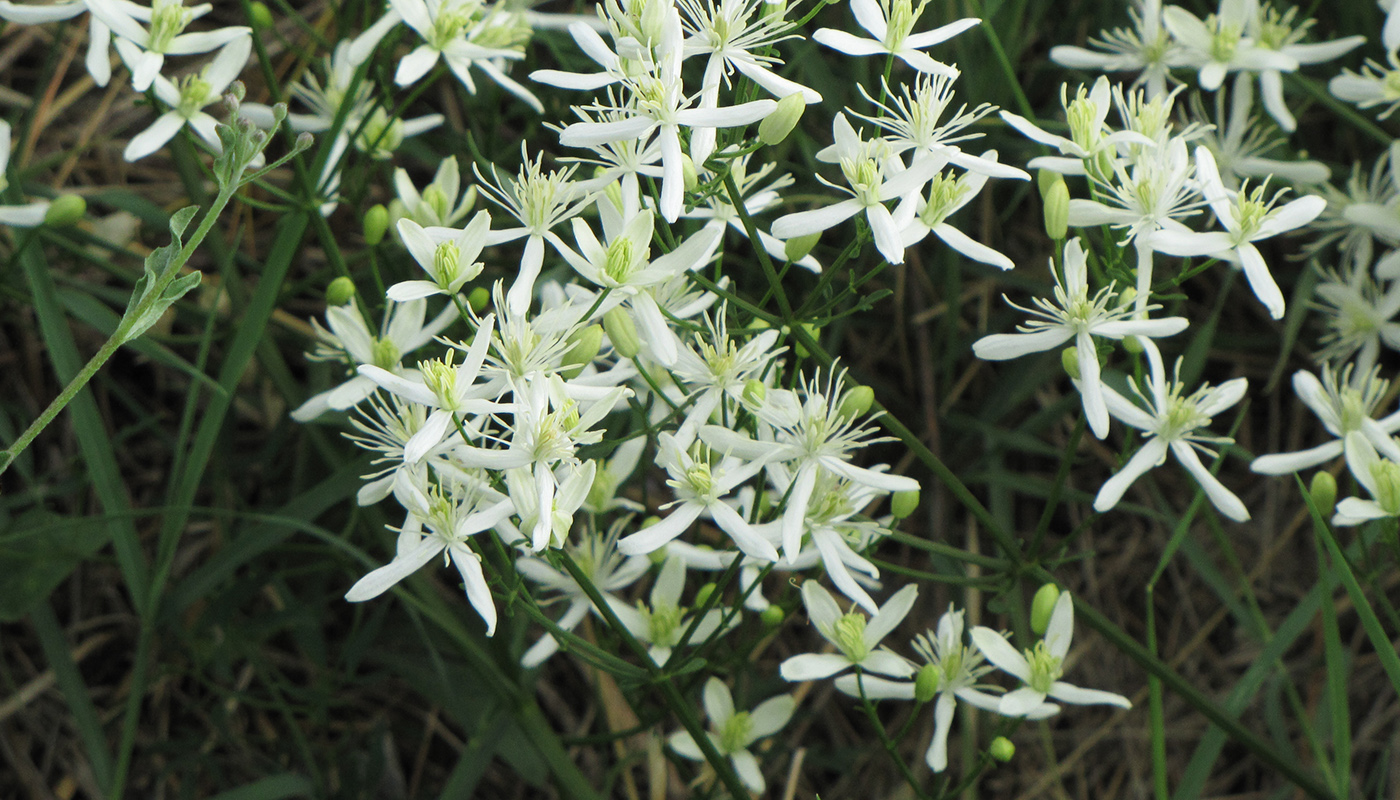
column 1344, row 406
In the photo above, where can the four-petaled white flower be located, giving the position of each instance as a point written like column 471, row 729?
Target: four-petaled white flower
column 1380, row 477
column 1344, row 406
column 891, row 22
column 857, row 639
column 188, row 99
column 731, row 732
column 450, row 264
column 144, row 48
column 1040, row 667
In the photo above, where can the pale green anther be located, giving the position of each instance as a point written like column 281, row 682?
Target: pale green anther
column 1354, row 410
column 1045, row 668
column 849, row 635
column 865, row 177
column 663, row 624
column 1387, row 477
column 1224, row 40
column 699, row 479
column 168, row 20
column 437, row 200
column 446, row 264
column 1083, row 118
column 502, row 37
column 1253, row 210
column 901, row 16
column 945, row 190
column 1391, row 85
column 440, row 376
column 736, row 733
column 829, row 506
column 620, row 259
column 386, row 354
column 194, row 95
column 448, row 27
column 926, row 682
column 1182, row 416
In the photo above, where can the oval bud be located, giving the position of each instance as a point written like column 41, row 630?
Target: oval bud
column 1132, row 345
column 1042, row 606
column 776, row 126
column 772, row 616
column 798, row 247
column 692, row 179
column 902, row 504
column 1057, row 211
column 755, row 392
column 811, row 330
column 926, row 683
column 1323, row 490
column 375, row 224
column 1069, row 359
column 478, row 299
column 1001, row 749
column 1045, row 180
column 857, row 402
column 586, row 342
column 622, row 332
column 703, row 596
column 259, row 16
column 65, row 210
column 339, row 291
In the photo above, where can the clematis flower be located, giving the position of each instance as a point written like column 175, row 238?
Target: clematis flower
column 1247, row 217
column 663, row 621
column 1172, row 420
column 1277, row 33
column 857, row 639
column 1092, row 145
column 144, row 48
column 1376, row 84
column 98, row 62
column 188, row 100
column 1220, row 44
column 28, row 215
column 1359, row 315
column 732, row 732
column 891, row 22
column 1379, row 476
column 947, row 193
column 462, row 34
column 1145, row 47
column 1040, row 667
column 450, row 264
column 1344, row 406
column 1075, row 315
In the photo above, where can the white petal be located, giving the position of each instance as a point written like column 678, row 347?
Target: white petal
column 1003, row 346
column 1222, row 498
column 1152, row 453
column 403, row 565
column 1074, row 694
column 812, row 666
column 1000, row 652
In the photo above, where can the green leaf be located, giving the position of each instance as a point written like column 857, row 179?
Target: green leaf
column 181, row 220
column 39, row 550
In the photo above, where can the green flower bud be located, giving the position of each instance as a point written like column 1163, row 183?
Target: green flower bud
column 1131, row 344
column 259, row 16
column 1057, row 211
column 812, row 331
column 479, row 299
column 1042, row 606
column 1069, row 359
column 692, row 179
column 926, row 683
column 586, row 342
column 902, row 504
column 1127, row 297
column 1324, row 492
column 339, row 292
column 375, row 224
column 798, row 247
column 1045, row 180
column 755, row 392
column 622, row 332
column 772, row 616
column 776, row 126
column 775, row 10
column 703, row 596
column 66, row 210
column 1001, row 749
column 857, row 402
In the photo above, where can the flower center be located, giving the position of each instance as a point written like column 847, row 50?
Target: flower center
column 450, row 25
column 736, row 732
column 385, row 353
column 381, row 135
column 194, row 95
column 621, row 261
column 440, row 376
column 168, row 19
column 1045, row 668
column 446, row 264
column 1386, row 474
column 664, row 624
column 849, row 635
column 945, row 191
column 1224, row 39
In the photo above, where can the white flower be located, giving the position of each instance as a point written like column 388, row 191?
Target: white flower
column 1040, row 667
column 403, row 331
column 875, row 175
column 99, row 35
column 1375, row 85
column 1172, row 421
column 714, row 367
column 188, row 99
column 1146, row 47
column 947, row 193
column 1380, row 476
column 144, row 48
column 1075, row 315
column 28, row 215
column 1343, row 406
column 1276, row 32
column 663, row 622
column 438, row 519
column 462, row 34
column 1248, row 217
column 732, row 731
column 1359, row 315
column 450, row 264
column 1239, row 144
column 1091, row 146
column 857, row 639
column 891, row 22
column 721, row 213
column 442, row 203
column 1219, row 44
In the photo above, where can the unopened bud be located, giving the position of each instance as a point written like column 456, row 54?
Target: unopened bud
column 1132, row 345
column 692, row 179
column 1042, row 606
column 65, row 210
column 1127, row 297
column 1324, row 492
column 339, row 292
column 1001, row 749
column 1045, row 180
column 1069, row 359
column 798, row 247
column 811, row 330
column 902, row 504
column 1057, row 211
column 376, row 223
column 772, row 616
column 259, row 16
column 703, row 596
column 775, row 10
column 776, row 126
column 622, row 332
column 856, row 402
column 755, row 392
column 926, row 683
column 479, row 299
column 586, row 342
